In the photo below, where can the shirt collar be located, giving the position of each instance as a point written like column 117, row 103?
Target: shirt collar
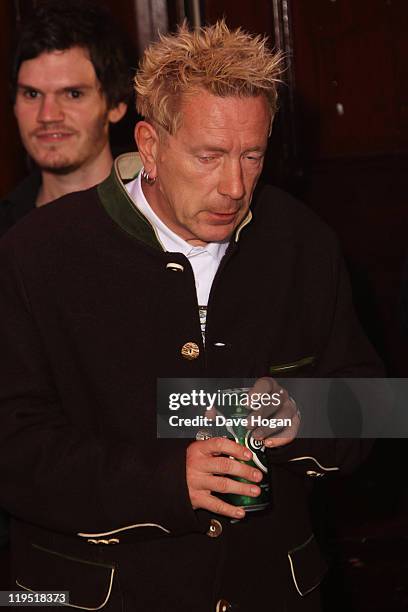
column 170, row 240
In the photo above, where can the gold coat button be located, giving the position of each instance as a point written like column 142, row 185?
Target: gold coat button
column 190, row 350
column 215, row 529
column 223, row 606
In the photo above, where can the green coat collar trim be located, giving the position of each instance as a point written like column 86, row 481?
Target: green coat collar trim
column 117, row 203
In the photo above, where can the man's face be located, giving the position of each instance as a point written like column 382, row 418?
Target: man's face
column 207, row 172
column 61, row 112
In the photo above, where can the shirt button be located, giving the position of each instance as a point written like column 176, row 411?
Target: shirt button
column 215, row 529
column 190, row 351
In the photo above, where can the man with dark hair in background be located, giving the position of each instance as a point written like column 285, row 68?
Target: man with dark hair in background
column 70, row 80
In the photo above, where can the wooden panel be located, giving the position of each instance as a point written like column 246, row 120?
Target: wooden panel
column 121, row 134
column 252, row 16
column 350, row 63
column 125, row 16
column 399, row 27
column 367, row 205
column 12, row 166
column 140, row 20
column 151, row 19
column 176, row 12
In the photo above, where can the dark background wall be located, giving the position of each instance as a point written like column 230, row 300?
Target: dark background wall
column 351, row 91
column 12, row 164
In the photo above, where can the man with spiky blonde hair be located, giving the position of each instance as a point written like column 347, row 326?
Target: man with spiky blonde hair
column 221, row 62
column 173, row 267
column 208, row 98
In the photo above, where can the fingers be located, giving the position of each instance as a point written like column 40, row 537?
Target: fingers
column 283, row 427
column 218, row 506
column 219, row 484
column 229, row 467
column 202, row 497
column 204, row 458
column 288, row 434
column 209, row 470
column 265, row 385
column 281, row 422
column 221, row 446
column 268, row 398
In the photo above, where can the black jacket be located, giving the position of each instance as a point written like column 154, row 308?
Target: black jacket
column 12, row 208
column 100, row 506
column 19, row 202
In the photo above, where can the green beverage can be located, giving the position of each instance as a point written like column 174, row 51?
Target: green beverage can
column 237, row 418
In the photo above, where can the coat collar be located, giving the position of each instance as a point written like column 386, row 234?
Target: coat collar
column 117, row 203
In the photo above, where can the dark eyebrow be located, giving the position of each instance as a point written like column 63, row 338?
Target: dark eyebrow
column 79, row 86
column 26, row 86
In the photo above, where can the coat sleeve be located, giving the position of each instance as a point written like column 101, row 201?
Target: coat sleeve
column 58, row 476
column 345, row 353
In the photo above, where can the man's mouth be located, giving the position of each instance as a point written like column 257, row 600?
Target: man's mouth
column 223, row 217
column 53, row 136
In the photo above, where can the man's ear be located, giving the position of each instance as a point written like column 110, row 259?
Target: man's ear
column 116, row 113
column 147, row 141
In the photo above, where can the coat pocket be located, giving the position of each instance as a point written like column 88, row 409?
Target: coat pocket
column 89, row 583
column 307, row 566
column 293, row 367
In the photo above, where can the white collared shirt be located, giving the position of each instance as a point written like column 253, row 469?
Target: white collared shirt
column 203, row 259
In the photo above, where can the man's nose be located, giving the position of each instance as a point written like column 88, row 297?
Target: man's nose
column 50, row 110
column 231, row 183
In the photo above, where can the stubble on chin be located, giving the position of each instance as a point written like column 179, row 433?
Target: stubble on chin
column 53, row 161
column 59, row 168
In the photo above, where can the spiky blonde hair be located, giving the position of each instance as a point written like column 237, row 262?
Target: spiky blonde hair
column 222, row 61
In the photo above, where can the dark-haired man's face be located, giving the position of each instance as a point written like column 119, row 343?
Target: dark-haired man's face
column 61, row 112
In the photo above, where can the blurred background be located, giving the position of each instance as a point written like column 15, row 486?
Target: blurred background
column 340, row 144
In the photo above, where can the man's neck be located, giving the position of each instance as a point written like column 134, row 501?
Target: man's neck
column 55, row 186
column 150, row 194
